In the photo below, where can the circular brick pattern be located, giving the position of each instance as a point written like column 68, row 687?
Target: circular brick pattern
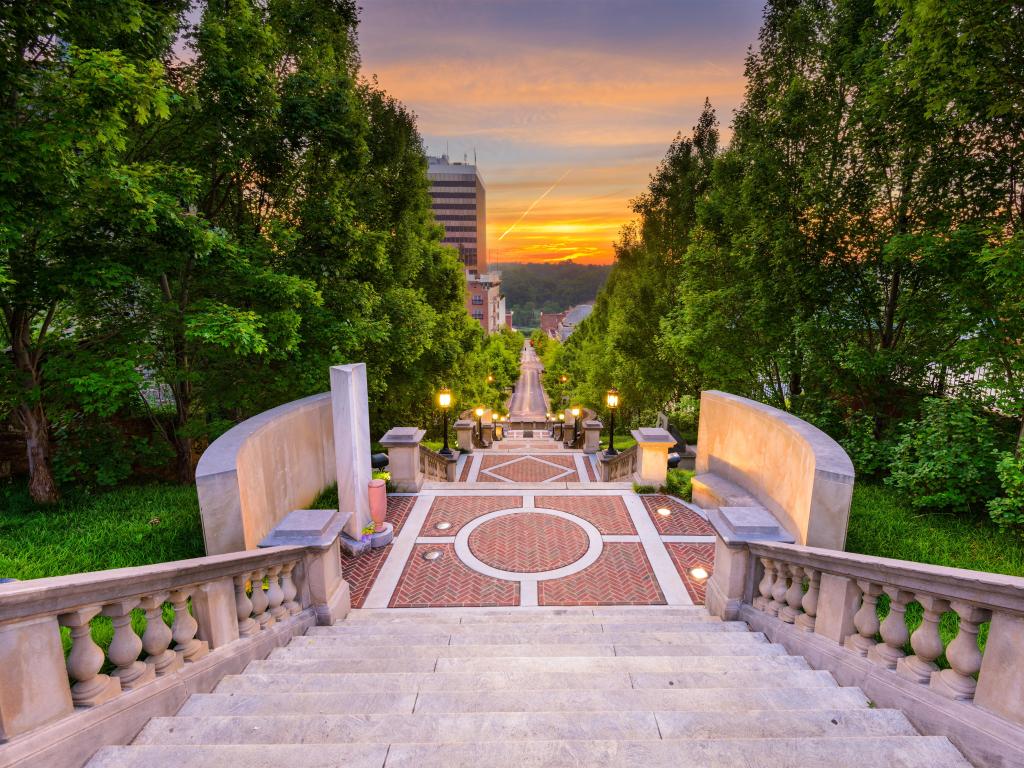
column 528, row 542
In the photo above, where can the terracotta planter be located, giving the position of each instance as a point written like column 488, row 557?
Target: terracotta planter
column 378, row 503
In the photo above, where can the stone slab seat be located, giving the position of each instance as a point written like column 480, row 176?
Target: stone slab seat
column 712, row 491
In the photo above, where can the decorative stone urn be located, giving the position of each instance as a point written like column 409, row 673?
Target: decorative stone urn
column 378, row 503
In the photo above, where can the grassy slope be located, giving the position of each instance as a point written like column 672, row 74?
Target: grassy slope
column 98, row 530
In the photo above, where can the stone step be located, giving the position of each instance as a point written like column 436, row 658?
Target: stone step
column 621, row 700
column 341, row 651
column 255, row 681
column 517, row 637
column 400, row 629
column 660, row 664
column 534, row 613
column 521, row 726
column 854, row 752
column 531, row 618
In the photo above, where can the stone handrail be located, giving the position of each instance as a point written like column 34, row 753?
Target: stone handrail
column 824, row 605
column 433, row 465
column 619, row 467
column 227, row 610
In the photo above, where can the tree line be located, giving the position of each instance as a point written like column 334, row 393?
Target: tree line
column 853, row 255
column 202, row 208
column 534, row 288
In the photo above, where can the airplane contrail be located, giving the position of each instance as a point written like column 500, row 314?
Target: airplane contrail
column 534, row 203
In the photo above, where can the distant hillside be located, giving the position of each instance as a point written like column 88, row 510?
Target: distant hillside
column 534, row 288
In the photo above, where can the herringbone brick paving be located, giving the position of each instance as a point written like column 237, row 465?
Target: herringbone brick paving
column 682, row 522
column 687, row 556
column 620, row 576
column 360, row 572
column 607, row 513
column 459, row 510
column 528, row 542
column 446, row 582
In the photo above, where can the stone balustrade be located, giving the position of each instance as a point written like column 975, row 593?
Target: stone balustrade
column 825, row 605
column 177, row 628
column 436, row 467
column 621, row 467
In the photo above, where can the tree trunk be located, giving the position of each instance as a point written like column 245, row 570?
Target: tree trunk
column 182, row 443
column 41, row 484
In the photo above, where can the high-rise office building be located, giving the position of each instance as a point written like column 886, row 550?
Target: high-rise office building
column 459, row 200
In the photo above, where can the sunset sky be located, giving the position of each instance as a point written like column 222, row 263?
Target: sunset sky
column 587, row 91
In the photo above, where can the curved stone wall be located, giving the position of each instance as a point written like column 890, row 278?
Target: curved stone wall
column 253, row 475
column 792, row 468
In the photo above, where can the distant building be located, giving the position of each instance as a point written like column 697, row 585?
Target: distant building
column 459, row 200
column 549, row 322
column 571, row 319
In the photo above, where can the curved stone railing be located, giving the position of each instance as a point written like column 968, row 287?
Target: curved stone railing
column 824, row 605
column 263, row 469
column 433, row 465
column 58, row 711
column 620, row 467
column 751, row 454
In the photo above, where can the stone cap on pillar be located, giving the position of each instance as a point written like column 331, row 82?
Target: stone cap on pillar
column 737, row 525
column 464, row 424
column 653, row 436
column 400, row 437
column 307, row 528
column 592, row 424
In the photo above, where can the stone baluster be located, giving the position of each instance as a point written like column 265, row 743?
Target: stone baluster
column 126, row 646
column 184, row 628
column 156, row 640
column 275, row 595
column 963, row 654
column 765, row 585
column 809, row 601
column 893, row 630
column 926, row 642
column 290, row 589
column 794, row 595
column 866, row 619
column 260, row 601
column 85, row 661
column 246, row 626
column 779, row 589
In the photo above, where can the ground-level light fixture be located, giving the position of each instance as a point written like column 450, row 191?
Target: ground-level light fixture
column 444, row 402
column 699, row 573
column 432, row 554
column 611, row 399
column 443, row 526
column 664, row 511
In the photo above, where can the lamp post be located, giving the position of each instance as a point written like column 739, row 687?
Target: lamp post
column 561, row 426
column 444, row 402
column 480, row 422
column 575, row 411
column 611, row 399
column 490, row 378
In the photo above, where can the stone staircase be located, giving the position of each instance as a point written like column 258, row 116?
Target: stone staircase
column 531, row 687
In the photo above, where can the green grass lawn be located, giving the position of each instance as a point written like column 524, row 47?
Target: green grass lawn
column 883, row 524
column 97, row 530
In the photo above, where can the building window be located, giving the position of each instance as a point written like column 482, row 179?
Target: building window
column 478, row 299
column 478, row 314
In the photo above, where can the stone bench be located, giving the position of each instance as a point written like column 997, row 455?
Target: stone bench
column 712, row 491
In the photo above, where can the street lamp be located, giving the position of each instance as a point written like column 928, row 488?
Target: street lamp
column 611, row 399
column 444, row 402
column 575, row 411
column 563, row 378
column 490, row 379
column 561, row 426
column 480, row 422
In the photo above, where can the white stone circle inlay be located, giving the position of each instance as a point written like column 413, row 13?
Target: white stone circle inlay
column 588, row 558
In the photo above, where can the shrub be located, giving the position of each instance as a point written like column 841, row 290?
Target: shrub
column 870, row 455
column 946, row 458
column 637, row 488
column 679, row 483
column 1008, row 511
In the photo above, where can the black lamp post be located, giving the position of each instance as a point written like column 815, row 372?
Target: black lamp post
column 444, row 401
column 575, row 423
column 480, row 422
column 611, row 399
column 561, row 426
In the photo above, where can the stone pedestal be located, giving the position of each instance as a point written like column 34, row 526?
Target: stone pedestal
column 403, row 444
column 352, row 443
column 464, row 434
column 34, row 686
column 652, row 464
column 592, row 435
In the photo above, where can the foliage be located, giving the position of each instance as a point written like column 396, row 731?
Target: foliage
column 1008, row 510
column 534, row 288
column 641, row 489
column 871, row 455
column 943, row 459
column 679, row 483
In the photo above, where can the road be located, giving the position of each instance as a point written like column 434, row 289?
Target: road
column 529, row 403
